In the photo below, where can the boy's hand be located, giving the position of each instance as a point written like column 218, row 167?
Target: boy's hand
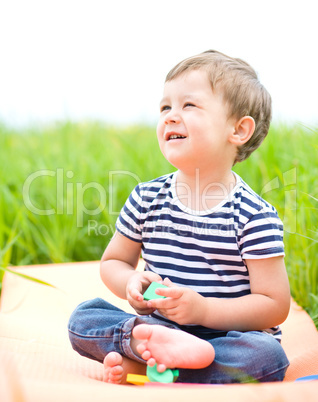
column 181, row 305
column 136, row 286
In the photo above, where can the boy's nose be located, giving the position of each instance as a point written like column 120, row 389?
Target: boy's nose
column 172, row 117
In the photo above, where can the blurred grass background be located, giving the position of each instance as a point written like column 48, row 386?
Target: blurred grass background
column 62, row 187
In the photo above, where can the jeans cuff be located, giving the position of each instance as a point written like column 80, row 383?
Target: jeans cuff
column 125, row 335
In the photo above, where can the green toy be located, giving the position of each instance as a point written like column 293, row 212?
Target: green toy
column 168, row 376
column 150, row 292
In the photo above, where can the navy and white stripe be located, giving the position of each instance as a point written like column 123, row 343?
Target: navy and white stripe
column 204, row 250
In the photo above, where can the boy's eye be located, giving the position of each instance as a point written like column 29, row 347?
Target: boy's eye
column 188, row 104
column 164, row 108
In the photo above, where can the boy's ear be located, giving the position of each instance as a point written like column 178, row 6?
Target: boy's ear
column 243, row 131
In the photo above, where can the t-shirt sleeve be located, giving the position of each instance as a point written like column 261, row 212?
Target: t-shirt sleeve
column 262, row 236
column 129, row 220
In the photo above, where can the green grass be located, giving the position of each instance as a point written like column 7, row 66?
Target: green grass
column 62, row 187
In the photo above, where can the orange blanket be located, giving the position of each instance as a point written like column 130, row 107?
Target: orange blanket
column 39, row 365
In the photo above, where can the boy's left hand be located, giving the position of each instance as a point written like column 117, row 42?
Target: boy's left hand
column 181, row 305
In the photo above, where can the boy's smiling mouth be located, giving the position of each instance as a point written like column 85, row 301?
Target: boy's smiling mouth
column 174, row 136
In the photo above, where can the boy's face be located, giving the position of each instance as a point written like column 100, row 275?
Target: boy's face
column 194, row 127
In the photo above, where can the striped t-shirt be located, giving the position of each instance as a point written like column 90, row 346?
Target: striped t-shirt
column 203, row 250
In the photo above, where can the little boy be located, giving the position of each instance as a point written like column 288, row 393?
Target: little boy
column 202, row 231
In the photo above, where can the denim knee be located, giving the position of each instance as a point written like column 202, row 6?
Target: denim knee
column 274, row 363
column 241, row 357
column 260, row 357
column 96, row 327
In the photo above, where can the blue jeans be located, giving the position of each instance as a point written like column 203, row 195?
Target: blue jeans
column 96, row 328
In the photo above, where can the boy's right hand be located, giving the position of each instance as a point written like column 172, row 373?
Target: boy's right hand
column 136, row 286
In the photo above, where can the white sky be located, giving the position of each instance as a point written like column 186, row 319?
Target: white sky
column 107, row 60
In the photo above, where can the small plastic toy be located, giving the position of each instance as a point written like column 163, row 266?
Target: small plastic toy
column 308, row 378
column 137, row 379
column 167, row 377
column 150, row 292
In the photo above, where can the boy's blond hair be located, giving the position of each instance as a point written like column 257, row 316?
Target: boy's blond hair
column 242, row 92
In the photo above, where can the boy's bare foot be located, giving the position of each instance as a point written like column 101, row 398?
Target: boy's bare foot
column 171, row 348
column 116, row 368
